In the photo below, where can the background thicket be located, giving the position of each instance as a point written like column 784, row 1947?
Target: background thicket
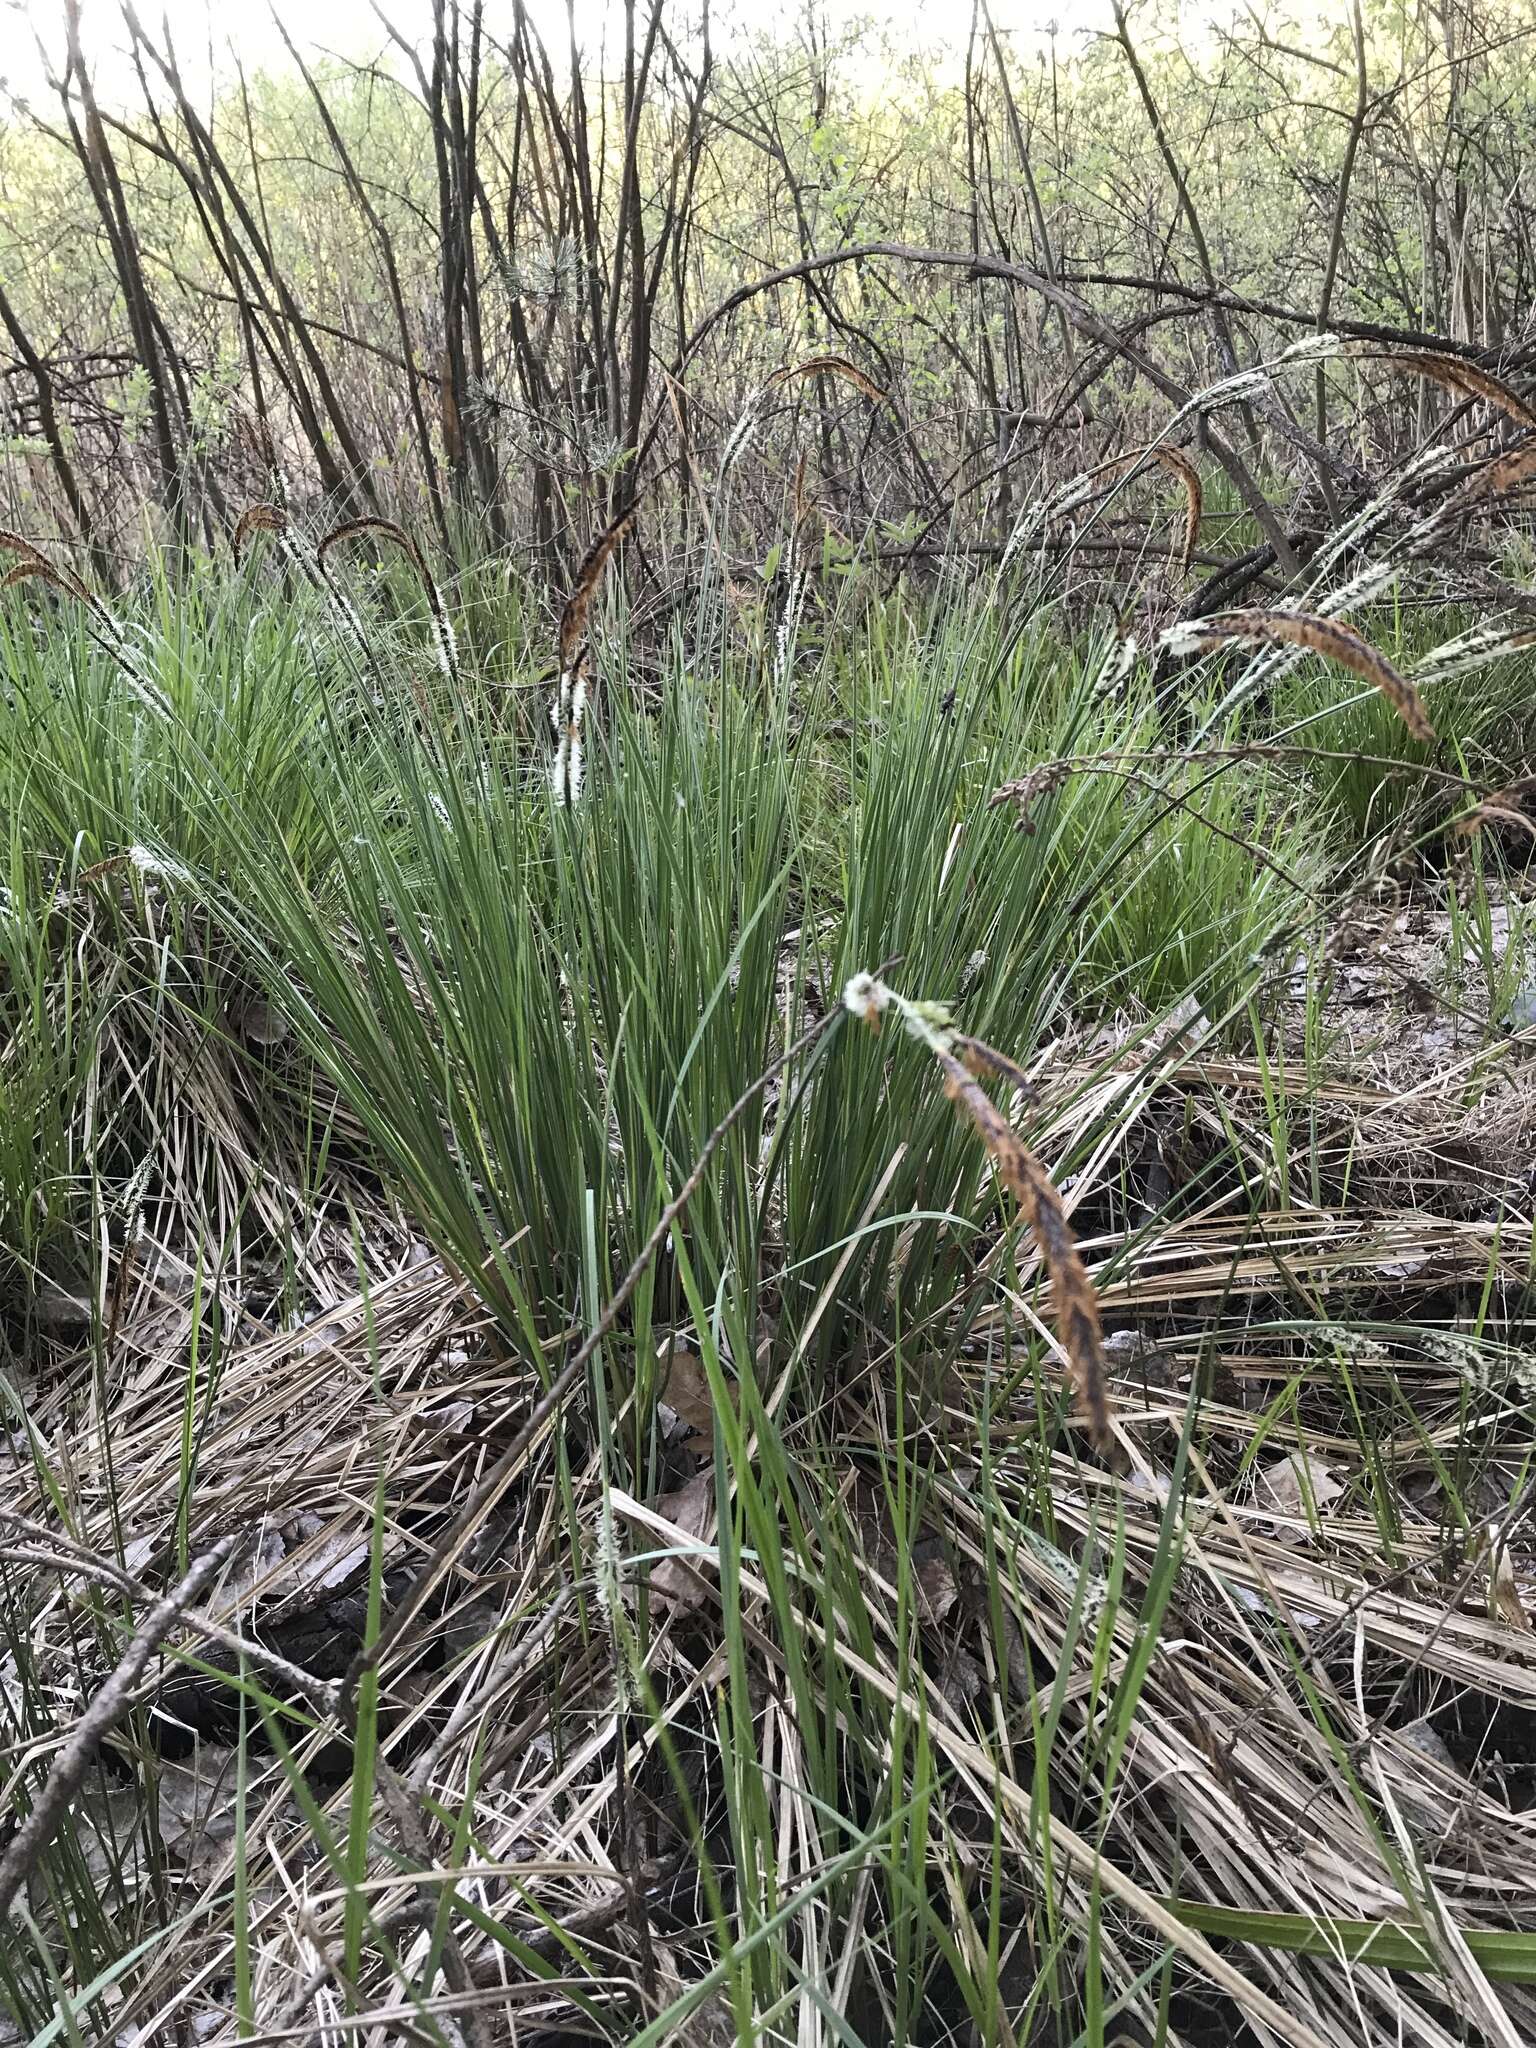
column 483, row 286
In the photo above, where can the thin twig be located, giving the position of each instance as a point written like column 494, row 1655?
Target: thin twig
column 100, row 1717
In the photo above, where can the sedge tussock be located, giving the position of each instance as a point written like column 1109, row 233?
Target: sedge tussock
column 831, row 366
column 963, row 1060
column 573, row 617
column 1326, row 637
column 1456, row 374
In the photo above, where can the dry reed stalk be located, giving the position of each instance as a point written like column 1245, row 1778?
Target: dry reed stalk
column 1326, row 637
column 831, row 366
column 573, row 617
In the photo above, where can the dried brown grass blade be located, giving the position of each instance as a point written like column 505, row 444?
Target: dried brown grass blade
column 573, row 618
column 1077, row 1307
column 1175, row 463
column 1454, row 373
column 831, row 366
column 34, row 562
column 14, row 544
column 20, row 572
column 1327, row 637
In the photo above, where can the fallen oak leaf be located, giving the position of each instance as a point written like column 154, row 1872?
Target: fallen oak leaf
column 676, row 1588
column 685, row 1386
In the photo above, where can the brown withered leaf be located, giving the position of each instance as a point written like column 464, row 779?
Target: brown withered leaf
column 685, row 1386
column 676, row 1587
column 936, row 1590
column 1297, row 1478
column 1504, row 1592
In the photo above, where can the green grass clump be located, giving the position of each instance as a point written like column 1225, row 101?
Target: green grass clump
column 805, row 1666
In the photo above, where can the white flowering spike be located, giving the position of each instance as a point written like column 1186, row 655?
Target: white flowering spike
column 1320, row 346
column 566, row 712
column 865, row 998
column 447, row 646
column 1182, row 638
column 1233, row 390
column 1361, row 589
column 1119, row 662
column 740, row 437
